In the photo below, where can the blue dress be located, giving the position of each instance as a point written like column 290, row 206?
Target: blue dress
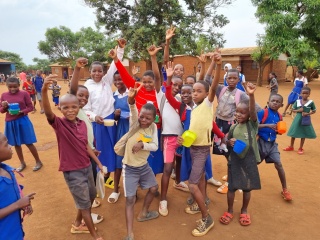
column 123, row 123
column 294, row 95
column 186, row 162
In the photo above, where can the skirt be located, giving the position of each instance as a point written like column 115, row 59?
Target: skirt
column 155, row 159
column 105, row 138
column 122, row 129
column 20, row 131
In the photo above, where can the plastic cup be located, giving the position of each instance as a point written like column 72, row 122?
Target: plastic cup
column 281, row 127
column 14, row 106
column 188, row 138
column 239, row 146
column 108, row 122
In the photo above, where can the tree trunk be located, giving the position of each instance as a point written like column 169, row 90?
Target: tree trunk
column 260, row 71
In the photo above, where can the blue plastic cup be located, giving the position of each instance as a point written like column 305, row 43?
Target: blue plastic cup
column 239, row 146
column 14, row 106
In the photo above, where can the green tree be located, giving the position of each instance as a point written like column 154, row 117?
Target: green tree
column 15, row 58
column 144, row 22
column 41, row 64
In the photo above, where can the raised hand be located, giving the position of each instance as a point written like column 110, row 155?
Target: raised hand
column 217, row 56
column 170, row 33
column 153, row 50
column 202, row 58
column 122, row 42
column 50, row 79
column 250, row 88
column 169, row 69
column 81, row 62
column 133, row 91
column 113, row 52
column 134, row 70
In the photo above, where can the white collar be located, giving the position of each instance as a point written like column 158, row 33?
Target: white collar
column 116, row 93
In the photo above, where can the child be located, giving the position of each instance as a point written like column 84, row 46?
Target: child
column 11, row 199
column 138, row 142
column 201, row 124
column 228, row 97
column 37, row 83
column 82, row 93
column 100, row 107
column 121, row 114
column 273, row 83
column 301, row 126
column 18, row 128
column 28, row 86
column 55, row 92
column 241, row 79
column 299, row 83
column 242, row 168
column 268, row 147
column 74, row 152
column 147, row 94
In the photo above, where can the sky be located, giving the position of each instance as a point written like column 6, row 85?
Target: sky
column 23, row 23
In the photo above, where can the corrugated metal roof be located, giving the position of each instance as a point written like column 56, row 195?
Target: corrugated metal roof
column 4, row 61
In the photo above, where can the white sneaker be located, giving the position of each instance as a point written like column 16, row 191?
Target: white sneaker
column 173, row 175
column 214, row 182
column 181, row 186
column 163, row 208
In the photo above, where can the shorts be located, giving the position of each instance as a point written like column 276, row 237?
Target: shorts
column 134, row 176
column 81, row 186
column 39, row 96
column 269, row 151
column 199, row 156
column 170, row 146
column 33, row 97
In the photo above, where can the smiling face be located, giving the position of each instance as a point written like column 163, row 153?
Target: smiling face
column 186, row 94
column 190, row 81
column 305, row 94
column 176, row 86
column 146, row 118
column 69, row 107
column 117, row 81
column 13, row 87
column 178, row 70
column 5, row 148
column 242, row 113
column 199, row 93
column 96, row 72
column 82, row 96
column 232, row 79
column 275, row 102
column 148, row 83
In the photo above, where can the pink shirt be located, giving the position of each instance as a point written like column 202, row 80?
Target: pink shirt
column 23, row 76
column 72, row 143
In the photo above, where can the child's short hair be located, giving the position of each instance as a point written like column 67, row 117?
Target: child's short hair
column 13, row 80
column 205, row 84
column 148, row 73
column 176, row 77
column 276, row 94
column 306, row 88
column 300, row 72
column 82, row 86
column 193, row 77
column 187, row 85
column 96, row 63
column 150, row 107
column 245, row 102
column 233, row 70
column 273, row 74
column 115, row 73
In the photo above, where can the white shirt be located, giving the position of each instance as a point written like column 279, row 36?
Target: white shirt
column 116, row 93
column 171, row 123
column 100, row 102
column 303, row 79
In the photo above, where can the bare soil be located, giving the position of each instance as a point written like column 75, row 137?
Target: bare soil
column 272, row 217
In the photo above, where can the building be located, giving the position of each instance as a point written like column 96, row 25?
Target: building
column 7, row 67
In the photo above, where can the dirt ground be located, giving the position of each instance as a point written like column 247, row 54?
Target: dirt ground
column 272, row 217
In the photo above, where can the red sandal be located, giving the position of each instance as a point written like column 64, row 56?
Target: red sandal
column 289, row 148
column 245, row 219
column 226, row 218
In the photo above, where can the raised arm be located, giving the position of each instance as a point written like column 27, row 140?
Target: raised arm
column 169, row 35
column 250, row 89
column 153, row 50
column 202, row 58
column 208, row 76
column 45, row 99
column 80, row 63
column 213, row 87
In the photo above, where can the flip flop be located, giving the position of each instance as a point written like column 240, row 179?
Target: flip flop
column 245, row 219
column 37, row 167
column 95, row 204
column 96, row 218
column 109, row 183
column 150, row 215
column 226, row 218
column 21, row 168
column 114, row 196
column 81, row 229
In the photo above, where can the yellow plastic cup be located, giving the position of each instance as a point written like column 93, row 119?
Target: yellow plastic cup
column 188, row 138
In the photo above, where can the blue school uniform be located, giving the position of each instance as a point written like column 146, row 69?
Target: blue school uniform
column 121, row 102
column 155, row 159
column 294, row 95
column 11, row 225
column 239, row 84
column 186, row 162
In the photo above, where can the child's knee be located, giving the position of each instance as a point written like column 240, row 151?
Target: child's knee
column 130, row 201
column 154, row 189
column 278, row 166
column 192, row 188
column 167, row 170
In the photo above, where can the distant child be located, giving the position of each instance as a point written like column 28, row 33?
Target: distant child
column 242, row 167
column 121, row 114
column 201, row 125
column 136, row 145
column 18, row 128
column 273, row 83
column 74, row 154
column 38, row 83
column 11, row 199
column 29, row 87
column 100, row 107
column 268, row 147
column 301, row 126
column 55, row 92
column 299, row 82
column 241, row 78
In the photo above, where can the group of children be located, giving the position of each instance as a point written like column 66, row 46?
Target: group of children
column 146, row 139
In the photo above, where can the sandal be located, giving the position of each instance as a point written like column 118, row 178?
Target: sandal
column 190, row 200
column 245, row 219
column 37, row 167
column 96, row 218
column 109, row 183
column 21, row 168
column 286, row 195
column 95, row 204
column 181, row 186
column 300, row 151
column 81, row 229
column 113, row 198
column 226, row 218
column 150, row 215
column 223, row 189
column 289, row 148
column 225, row 178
